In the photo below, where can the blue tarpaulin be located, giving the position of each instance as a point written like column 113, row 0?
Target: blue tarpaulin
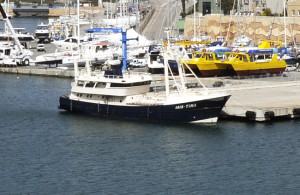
column 104, row 30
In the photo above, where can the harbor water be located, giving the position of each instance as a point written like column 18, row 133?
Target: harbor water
column 44, row 150
column 29, row 23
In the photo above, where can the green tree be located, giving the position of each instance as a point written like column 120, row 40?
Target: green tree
column 267, row 12
column 226, row 6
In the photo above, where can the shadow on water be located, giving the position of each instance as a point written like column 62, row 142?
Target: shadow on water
column 120, row 124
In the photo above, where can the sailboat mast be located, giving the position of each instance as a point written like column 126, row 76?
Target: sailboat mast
column 284, row 21
column 78, row 29
column 194, row 20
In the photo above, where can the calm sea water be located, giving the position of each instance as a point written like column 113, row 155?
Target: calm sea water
column 44, row 150
column 29, row 23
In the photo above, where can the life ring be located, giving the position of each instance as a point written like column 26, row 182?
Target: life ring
column 204, row 50
column 237, row 51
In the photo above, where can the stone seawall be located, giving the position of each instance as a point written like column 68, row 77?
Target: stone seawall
column 90, row 11
column 258, row 28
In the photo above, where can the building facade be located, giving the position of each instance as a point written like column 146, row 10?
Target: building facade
column 209, row 7
column 252, row 6
column 293, row 8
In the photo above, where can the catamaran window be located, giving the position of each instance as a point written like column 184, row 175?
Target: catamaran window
column 252, row 58
column 219, row 56
column 232, row 56
column 80, row 83
column 261, row 57
column 90, row 84
column 269, row 56
column 198, row 55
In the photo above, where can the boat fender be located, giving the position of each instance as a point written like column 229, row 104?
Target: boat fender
column 250, row 115
column 269, row 115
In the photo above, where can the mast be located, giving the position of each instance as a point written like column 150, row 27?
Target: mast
column 194, row 20
column 107, row 10
column 284, row 21
column 78, row 29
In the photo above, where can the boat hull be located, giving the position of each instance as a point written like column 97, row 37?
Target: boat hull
column 205, row 111
column 260, row 71
column 193, row 67
column 217, row 72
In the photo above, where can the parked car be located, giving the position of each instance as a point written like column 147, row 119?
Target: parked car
column 40, row 47
column 290, row 68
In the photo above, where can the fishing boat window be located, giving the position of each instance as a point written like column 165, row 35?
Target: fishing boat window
column 245, row 59
column 210, row 57
column 90, row 84
column 130, row 84
column 100, row 85
column 80, row 83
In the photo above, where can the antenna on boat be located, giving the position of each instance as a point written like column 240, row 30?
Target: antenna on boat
column 166, row 64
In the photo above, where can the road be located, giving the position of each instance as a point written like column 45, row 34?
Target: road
column 166, row 16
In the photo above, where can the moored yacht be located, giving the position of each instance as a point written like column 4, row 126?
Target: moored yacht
column 42, row 32
column 20, row 33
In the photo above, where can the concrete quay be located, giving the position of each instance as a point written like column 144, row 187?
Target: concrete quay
column 264, row 98
column 40, row 70
column 264, row 102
